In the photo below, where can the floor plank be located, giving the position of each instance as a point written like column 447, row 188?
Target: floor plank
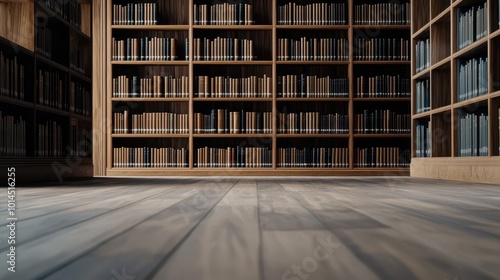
column 167, row 228
column 226, row 228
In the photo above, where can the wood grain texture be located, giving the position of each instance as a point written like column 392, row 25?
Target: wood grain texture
column 227, row 228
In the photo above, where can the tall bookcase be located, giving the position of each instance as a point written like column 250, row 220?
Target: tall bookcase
column 456, row 92
column 45, row 83
column 272, row 101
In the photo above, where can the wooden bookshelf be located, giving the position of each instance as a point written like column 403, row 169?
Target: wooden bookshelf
column 176, row 17
column 458, row 108
column 50, row 87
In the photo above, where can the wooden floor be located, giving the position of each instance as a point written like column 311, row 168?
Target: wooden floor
column 257, row 228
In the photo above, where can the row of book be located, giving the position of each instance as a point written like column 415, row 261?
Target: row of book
column 223, row 14
column 225, row 86
column 382, row 157
column 52, row 89
column 12, row 136
column 144, row 49
column 294, row 86
column 224, row 121
column 312, row 123
column 393, row 13
column 44, row 41
column 383, row 86
column 222, row 49
column 423, row 55
column 312, row 49
column 472, row 78
column 312, row 14
column 382, row 49
column 249, row 157
column 75, row 13
column 12, row 77
column 382, row 121
column 472, row 24
column 153, row 87
column 49, row 140
column 77, row 61
column 313, row 157
column 423, row 140
column 150, row 123
column 147, row 157
column 80, row 99
column 135, row 14
column 423, row 96
column 472, row 134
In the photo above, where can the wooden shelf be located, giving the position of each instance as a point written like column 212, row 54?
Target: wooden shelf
column 495, row 94
column 440, row 110
column 375, row 26
column 229, row 135
column 16, row 102
column 313, row 27
column 313, row 99
column 444, row 118
column 478, row 45
column 495, row 34
column 231, row 62
column 232, row 99
column 265, row 38
column 19, row 23
column 402, row 99
column 233, row 27
column 174, row 63
column 388, row 62
column 316, row 135
column 381, row 135
column 52, row 110
column 289, row 62
column 149, row 99
column 258, row 172
column 149, row 135
column 422, row 31
column 421, row 115
column 471, row 101
column 80, row 117
column 426, row 73
column 80, row 76
column 51, row 63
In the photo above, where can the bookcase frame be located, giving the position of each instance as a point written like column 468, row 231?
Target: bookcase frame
column 18, row 34
column 440, row 20
column 103, row 67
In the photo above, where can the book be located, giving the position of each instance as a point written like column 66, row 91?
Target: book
column 233, row 157
column 422, row 98
column 221, row 121
column 382, row 121
column 381, row 157
column 423, row 144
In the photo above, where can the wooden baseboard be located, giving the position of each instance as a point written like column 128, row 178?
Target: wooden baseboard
column 468, row 169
